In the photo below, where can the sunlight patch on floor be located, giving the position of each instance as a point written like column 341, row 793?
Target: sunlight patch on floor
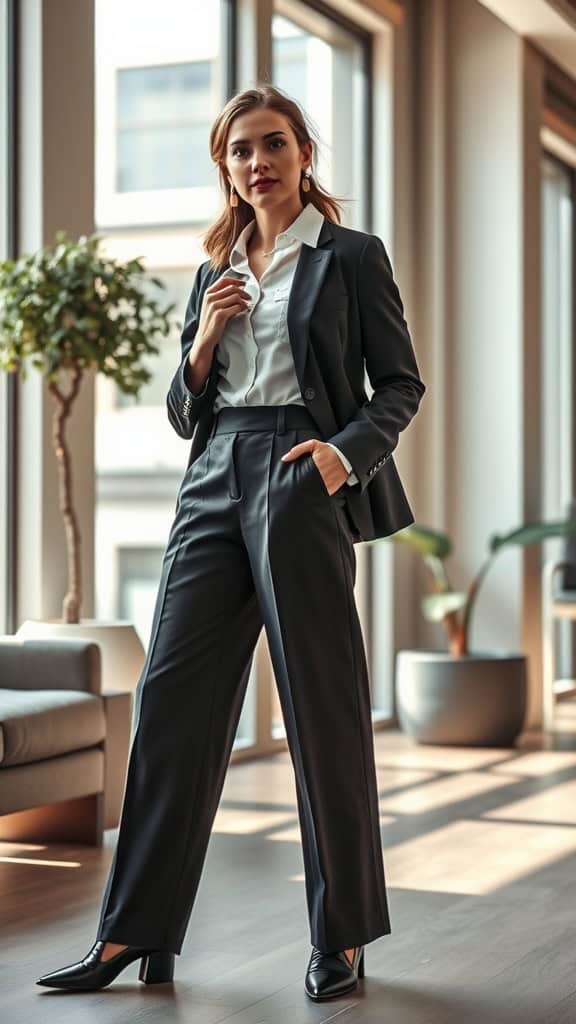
column 476, row 857
column 441, row 793
column 554, row 804
column 240, row 821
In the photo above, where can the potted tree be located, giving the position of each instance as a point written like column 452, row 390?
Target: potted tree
column 68, row 309
column 459, row 696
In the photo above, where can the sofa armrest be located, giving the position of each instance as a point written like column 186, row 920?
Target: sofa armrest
column 50, row 664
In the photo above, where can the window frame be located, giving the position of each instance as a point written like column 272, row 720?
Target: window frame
column 8, row 250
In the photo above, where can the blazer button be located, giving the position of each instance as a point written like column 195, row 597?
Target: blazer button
column 309, row 394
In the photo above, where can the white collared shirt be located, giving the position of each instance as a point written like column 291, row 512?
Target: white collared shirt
column 254, row 356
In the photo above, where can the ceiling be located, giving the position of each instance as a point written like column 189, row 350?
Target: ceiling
column 549, row 24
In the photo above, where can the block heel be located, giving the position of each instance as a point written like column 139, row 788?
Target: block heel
column 156, row 968
column 361, row 966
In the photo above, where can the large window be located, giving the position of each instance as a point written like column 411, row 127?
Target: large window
column 324, row 64
column 157, row 75
column 558, row 393
column 557, row 336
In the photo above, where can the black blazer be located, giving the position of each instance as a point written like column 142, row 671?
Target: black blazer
column 345, row 316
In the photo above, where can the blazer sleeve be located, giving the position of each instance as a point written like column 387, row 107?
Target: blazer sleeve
column 371, row 436
column 183, row 405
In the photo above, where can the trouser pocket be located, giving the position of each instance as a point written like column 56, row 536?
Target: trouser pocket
column 234, row 491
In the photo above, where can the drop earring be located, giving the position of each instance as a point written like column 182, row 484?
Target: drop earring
column 306, row 180
column 233, row 196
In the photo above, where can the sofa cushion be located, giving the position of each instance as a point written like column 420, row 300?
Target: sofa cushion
column 36, row 724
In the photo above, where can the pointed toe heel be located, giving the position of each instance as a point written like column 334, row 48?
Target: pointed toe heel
column 92, row 972
column 332, row 974
column 156, row 968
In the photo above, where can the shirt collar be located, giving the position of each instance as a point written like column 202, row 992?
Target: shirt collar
column 306, row 227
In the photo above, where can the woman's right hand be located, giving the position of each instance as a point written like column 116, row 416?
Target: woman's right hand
column 221, row 301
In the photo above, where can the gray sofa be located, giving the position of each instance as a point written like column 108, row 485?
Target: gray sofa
column 64, row 744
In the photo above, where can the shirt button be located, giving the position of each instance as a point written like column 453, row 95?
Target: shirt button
column 309, row 394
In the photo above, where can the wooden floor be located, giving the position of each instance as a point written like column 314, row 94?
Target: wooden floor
column 480, row 857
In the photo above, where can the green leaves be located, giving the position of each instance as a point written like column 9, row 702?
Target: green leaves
column 425, row 541
column 454, row 608
column 531, row 533
column 68, row 305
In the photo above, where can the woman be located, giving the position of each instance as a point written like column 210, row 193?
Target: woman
column 281, row 323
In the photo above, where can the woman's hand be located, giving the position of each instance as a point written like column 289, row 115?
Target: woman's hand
column 330, row 467
column 222, row 300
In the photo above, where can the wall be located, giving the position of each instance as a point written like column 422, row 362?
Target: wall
column 477, row 119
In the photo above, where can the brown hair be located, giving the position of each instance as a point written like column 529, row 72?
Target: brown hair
column 221, row 235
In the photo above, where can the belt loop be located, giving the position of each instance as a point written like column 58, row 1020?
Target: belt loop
column 281, row 420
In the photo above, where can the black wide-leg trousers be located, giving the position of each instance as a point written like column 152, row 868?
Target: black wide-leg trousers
column 255, row 541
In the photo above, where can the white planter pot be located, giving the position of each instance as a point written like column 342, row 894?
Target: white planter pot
column 122, row 653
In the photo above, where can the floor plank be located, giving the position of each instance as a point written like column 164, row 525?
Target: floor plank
column 480, row 855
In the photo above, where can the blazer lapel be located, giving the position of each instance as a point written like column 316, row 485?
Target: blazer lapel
column 308, row 277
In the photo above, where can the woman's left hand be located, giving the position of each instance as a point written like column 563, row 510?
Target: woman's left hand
column 330, row 467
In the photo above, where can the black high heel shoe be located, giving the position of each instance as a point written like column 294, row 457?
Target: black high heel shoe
column 331, row 974
column 90, row 973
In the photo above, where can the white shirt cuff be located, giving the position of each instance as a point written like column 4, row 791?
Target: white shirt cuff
column 352, row 478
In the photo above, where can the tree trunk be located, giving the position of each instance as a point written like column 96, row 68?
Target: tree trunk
column 72, row 602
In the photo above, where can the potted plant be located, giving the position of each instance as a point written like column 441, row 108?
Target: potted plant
column 459, row 696
column 68, row 309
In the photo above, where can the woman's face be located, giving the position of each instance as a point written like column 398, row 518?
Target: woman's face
column 261, row 143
